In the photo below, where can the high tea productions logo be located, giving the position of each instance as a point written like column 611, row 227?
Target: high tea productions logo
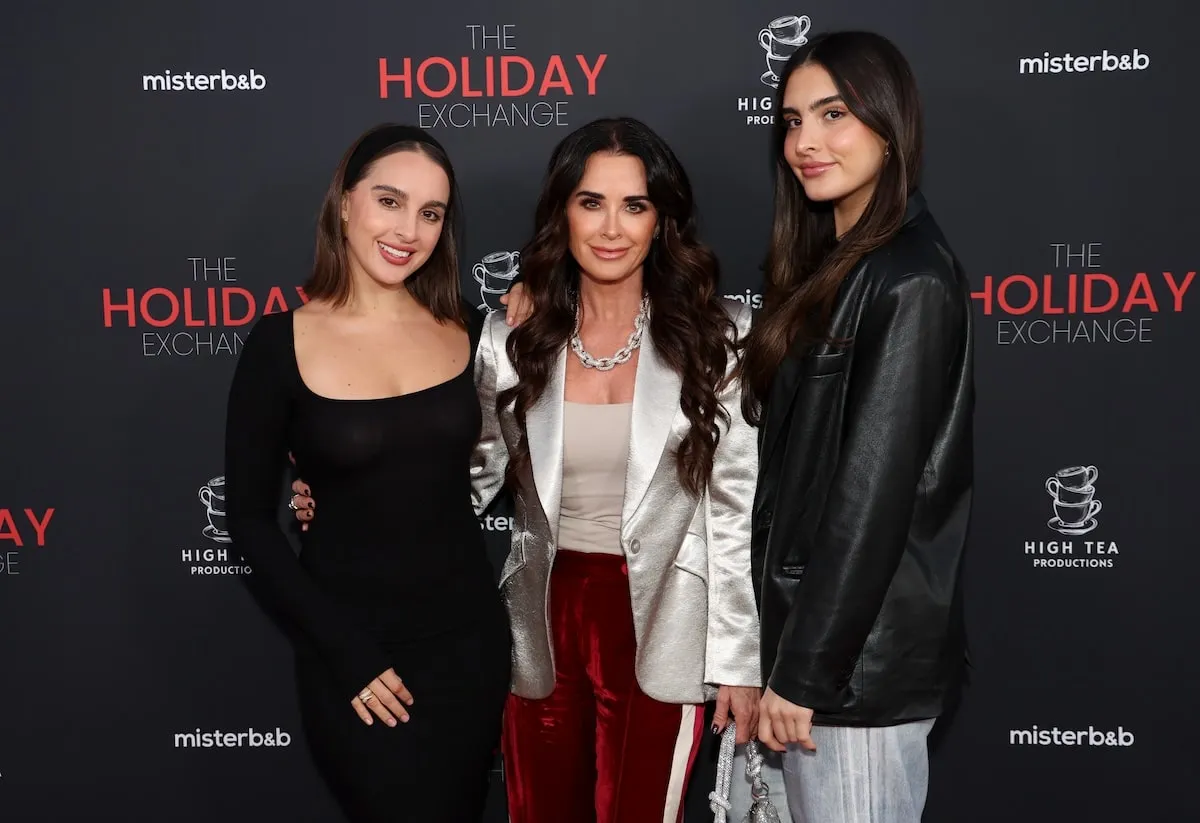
column 1074, row 505
column 212, row 497
column 213, row 561
column 494, row 274
column 779, row 41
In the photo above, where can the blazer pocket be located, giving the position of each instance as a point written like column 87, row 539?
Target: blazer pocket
column 693, row 556
column 515, row 560
column 823, row 365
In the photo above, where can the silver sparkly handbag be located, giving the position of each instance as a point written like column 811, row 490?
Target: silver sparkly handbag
column 761, row 809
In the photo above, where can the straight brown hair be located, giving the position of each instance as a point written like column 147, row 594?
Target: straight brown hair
column 806, row 262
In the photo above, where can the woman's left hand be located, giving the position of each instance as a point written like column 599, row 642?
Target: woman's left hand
column 742, row 703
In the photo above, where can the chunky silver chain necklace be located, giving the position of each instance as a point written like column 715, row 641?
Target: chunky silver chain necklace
column 623, row 354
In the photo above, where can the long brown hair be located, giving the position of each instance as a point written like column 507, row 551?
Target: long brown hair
column 806, row 263
column 435, row 285
column 687, row 323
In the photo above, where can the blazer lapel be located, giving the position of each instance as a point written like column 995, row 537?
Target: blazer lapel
column 655, row 402
column 544, row 426
column 783, row 396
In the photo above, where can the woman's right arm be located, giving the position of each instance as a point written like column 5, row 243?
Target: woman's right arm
column 490, row 458
column 256, row 449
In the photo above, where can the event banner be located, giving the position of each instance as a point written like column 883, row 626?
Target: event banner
column 166, row 162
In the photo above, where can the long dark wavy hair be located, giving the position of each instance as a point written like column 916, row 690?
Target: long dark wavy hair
column 806, row 262
column 690, row 329
column 435, row 286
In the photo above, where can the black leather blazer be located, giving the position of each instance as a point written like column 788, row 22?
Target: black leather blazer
column 864, row 492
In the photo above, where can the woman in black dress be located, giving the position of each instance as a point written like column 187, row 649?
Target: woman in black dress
column 402, row 642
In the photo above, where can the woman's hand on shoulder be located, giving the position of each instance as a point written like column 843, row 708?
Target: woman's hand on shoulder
column 518, row 305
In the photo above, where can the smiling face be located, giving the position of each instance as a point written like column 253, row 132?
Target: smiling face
column 835, row 156
column 610, row 218
column 394, row 217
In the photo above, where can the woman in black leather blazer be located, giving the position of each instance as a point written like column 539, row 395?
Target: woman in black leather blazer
column 859, row 374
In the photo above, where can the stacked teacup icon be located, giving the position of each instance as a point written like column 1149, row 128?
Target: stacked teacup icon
column 1075, row 503
column 495, row 274
column 212, row 495
column 780, row 39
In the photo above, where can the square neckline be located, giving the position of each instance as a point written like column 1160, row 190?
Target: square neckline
column 307, row 390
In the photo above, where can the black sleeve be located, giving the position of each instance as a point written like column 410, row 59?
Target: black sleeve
column 899, row 386
column 260, row 406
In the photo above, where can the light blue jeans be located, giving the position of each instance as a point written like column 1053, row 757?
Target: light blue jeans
column 859, row 775
column 772, row 774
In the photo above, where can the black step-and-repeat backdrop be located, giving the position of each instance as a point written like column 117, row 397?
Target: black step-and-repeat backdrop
column 164, row 166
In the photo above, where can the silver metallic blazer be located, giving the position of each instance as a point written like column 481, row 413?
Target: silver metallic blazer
column 694, row 610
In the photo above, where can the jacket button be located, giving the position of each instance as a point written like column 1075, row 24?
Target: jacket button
column 635, row 546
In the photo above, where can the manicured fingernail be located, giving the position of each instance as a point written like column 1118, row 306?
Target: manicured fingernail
column 714, row 728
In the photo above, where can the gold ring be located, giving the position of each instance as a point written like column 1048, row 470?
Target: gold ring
column 366, row 695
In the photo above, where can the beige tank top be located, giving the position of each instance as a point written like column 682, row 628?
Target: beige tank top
column 595, row 452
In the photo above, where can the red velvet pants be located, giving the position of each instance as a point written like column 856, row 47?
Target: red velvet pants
column 597, row 750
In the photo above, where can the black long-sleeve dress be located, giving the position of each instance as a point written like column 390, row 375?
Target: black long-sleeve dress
column 393, row 573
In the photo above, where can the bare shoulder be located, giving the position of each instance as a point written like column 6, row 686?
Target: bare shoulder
column 311, row 316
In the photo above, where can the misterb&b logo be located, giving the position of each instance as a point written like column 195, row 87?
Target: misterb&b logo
column 1068, row 63
column 193, row 81
column 1091, row 736
column 218, row 739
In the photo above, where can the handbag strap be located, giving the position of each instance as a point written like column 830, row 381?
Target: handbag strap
column 719, row 796
column 761, row 808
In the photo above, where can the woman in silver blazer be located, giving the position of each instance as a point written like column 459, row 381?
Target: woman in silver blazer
column 628, row 582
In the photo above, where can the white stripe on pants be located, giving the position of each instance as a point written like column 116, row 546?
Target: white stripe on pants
column 860, row 775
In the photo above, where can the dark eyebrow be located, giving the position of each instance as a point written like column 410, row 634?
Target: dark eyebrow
column 400, row 195
column 633, row 198
column 403, row 195
column 816, row 104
